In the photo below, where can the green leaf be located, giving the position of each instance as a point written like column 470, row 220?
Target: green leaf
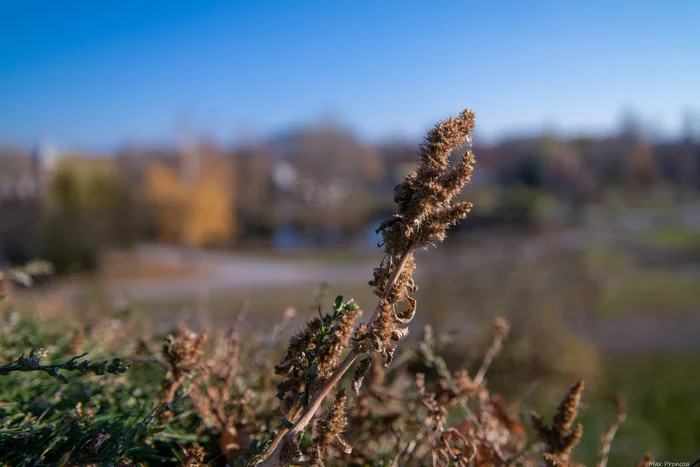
column 313, row 371
column 158, row 429
column 285, row 422
column 338, row 305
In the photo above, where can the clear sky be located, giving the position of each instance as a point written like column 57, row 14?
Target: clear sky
column 99, row 72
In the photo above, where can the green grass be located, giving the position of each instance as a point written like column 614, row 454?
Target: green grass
column 663, row 408
column 626, row 287
column 602, row 260
column 650, row 292
column 672, row 237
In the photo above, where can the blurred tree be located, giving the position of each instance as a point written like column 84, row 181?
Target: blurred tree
column 336, row 174
column 329, row 152
column 255, row 193
column 565, row 176
column 690, row 127
column 192, row 196
column 88, row 208
column 631, row 126
column 530, row 172
column 642, row 170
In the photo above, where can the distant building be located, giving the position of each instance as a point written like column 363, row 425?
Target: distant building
column 21, row 192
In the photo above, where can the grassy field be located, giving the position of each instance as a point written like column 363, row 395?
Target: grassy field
column 678, row 238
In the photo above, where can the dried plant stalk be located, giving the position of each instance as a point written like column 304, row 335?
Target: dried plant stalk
column 562, row 435
column 426, row 207
column 608, row 436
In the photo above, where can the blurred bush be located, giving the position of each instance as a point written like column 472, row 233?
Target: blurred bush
column 88, row 208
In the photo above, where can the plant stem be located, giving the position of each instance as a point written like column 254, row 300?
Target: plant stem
column 392, row 282
column 274, row 457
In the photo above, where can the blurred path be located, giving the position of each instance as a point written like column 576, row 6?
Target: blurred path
column 676, row 332
column 220, row 272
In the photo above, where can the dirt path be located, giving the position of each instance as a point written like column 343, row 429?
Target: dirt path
column 221, row 272
column 679, row 331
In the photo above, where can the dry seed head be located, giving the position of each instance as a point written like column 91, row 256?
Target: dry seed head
column 296, row 351
column 425, row 197
column 404, row 284
column 329, row 429
column 360, row 372
column 384, row 329
column 464, row 384
column 560, row 438
column 437, row 413
column 501, row 327
column 646, row 460
column 329, row 355
column 194, row 456
column 420, row 383
column 295, row 364
column 568, row 408
column 426, row 208
column 620, row 406
column 290, row 451
column 184, row 349
column 443, row 138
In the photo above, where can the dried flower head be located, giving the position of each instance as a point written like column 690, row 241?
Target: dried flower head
column 329, row 430
column 337, row 342
column 183, row 351
column 501, row 327
column 295, row 364
column 315, row 352
column 646, row 460
column 426, row 208
column 561, row 437
column 194, row 456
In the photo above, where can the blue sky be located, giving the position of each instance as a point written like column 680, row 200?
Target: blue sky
column 98, row 73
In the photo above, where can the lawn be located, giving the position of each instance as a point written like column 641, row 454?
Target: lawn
column 678, row 238
column 650, row 292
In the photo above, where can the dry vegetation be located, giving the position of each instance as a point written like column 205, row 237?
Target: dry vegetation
column 342, row 394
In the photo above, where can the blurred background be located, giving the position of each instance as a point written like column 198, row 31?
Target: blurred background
column 184, row 158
